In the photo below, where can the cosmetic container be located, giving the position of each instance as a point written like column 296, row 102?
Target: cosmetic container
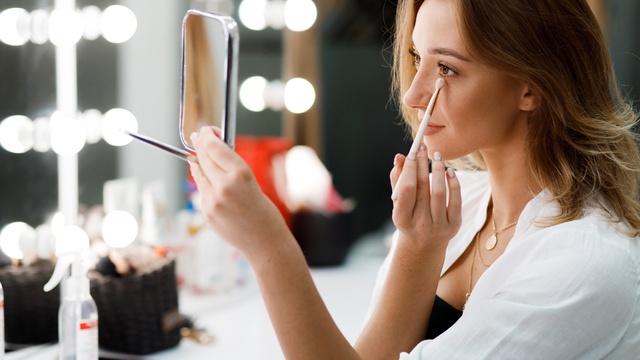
column 78, row 315
column 1, row 322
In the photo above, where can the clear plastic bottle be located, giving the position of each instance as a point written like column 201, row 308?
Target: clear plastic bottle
column 1, row 322
column 78, row 315
column 78, row 322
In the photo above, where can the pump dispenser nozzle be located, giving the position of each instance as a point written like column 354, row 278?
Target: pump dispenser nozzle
column 78, row 315
column 71, row 248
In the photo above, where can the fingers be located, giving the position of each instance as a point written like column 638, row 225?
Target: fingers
column 398, row 163
column 405, row 188
column 210, row 147
column 454, row 209
column 422, row 208
column 438, row 201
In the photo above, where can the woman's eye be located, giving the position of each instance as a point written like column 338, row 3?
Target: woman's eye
column 416, row 58
column 445, row 70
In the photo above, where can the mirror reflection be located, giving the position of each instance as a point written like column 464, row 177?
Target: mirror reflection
column 209, row 58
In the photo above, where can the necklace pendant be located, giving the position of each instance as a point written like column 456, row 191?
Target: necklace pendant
column 491, row 243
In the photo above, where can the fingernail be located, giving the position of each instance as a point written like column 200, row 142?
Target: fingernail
column 395, row 160
column 437, row 156
column 451, row 173
column 194, row 136
column 422, row 147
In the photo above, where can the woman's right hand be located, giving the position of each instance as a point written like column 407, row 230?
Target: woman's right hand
column 231, row 199
column 427, row 213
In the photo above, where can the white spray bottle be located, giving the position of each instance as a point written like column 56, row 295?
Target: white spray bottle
column 78, row 316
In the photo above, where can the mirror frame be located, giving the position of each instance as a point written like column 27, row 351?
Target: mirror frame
column 231, row 32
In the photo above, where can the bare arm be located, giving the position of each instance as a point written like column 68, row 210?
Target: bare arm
column 237, row 210
column 240, row 213
column 426, row 222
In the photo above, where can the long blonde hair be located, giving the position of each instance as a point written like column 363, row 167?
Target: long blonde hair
column 580, row 140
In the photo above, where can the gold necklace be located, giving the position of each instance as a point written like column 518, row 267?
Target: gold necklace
column 473, row 263
column 492, row 241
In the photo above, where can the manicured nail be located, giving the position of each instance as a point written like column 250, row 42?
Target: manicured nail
column 194, row 136
column 437, row 156
column 451, row 173
column 422, row 147
column 395, row 160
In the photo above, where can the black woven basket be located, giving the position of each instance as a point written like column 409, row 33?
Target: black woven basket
column 138, row 313
column 30, row 314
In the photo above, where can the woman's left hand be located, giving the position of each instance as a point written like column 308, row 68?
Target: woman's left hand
column 427, row 212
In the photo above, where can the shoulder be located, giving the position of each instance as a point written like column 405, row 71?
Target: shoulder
column 584, row 263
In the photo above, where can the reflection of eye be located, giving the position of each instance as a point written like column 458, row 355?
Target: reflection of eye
column 445, row 70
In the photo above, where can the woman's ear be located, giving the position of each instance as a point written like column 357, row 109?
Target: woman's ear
column 529, row 101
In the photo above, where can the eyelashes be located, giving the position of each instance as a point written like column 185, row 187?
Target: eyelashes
column 444, row 69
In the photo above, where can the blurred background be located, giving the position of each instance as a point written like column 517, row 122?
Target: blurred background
column 352, row 125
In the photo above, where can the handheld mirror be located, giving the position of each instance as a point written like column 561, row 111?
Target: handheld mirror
column 210, row 75
column 208, row 92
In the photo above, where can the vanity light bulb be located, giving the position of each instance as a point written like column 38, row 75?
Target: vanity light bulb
column 116, row 120
column 300, row 15
column 39, row 26
column 41, row 135
column 12, row 235
column 16, row 134
column 65, row 27
column 67, row 134
column 70, row 239
column 252, row 14
column 93, row 124
column 119, row 229
column 119, row 24
column 252, row 93
column 299, row 95
column 15, row 26
column 92, row 18
column 57, row 223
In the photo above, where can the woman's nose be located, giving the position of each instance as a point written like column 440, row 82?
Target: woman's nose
column 420, row 91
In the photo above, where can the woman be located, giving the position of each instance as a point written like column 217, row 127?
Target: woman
column 536, row 256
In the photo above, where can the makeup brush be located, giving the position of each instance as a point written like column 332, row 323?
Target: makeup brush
column 417, row 140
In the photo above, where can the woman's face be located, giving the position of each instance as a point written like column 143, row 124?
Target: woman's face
column 479, row 108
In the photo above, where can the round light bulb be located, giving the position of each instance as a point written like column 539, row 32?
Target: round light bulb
column 251, row 13
column 299, row 95
column 70, row 239
column 116, row 120
column 39, row 26
column 42, row 134
column 67, row 134
column 274, row 95
column 300, row 15
column 92, row 18
column 15, row 26
column 93, row 124
column 13, row 235
column 45, row 242
column 119, row 23
column 65, row 27
column 252, row 93
column 16, row 134
column 57, row 223
column 119, row 229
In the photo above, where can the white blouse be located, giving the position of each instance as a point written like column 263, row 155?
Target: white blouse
column 569, row 291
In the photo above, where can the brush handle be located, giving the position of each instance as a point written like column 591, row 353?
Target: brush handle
column 417, row 140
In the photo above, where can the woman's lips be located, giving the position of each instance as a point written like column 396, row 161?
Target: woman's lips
column 432, row 129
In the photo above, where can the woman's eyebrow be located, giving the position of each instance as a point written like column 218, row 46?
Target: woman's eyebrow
column 448, row 52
